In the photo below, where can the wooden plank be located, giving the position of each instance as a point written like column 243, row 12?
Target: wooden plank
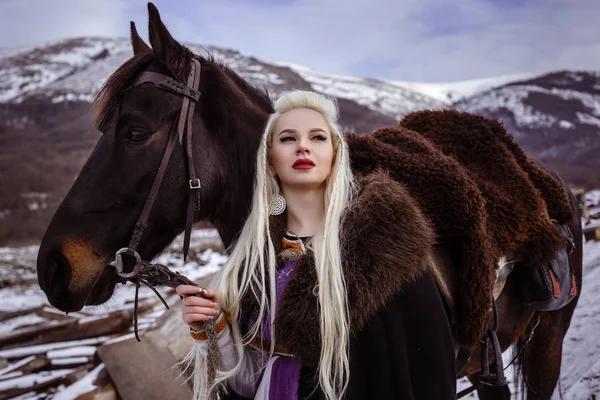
column 20, row 352
column 12, row 314
column 144, row 370
column 49, row 312
column 38, row 382
column 17, row 365
column 111, row 323
column 84, row 384
column 108, row 392
column 40, row 363
column 88, row 327
column 21, row 335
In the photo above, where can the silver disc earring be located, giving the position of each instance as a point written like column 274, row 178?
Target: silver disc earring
column 277, row 205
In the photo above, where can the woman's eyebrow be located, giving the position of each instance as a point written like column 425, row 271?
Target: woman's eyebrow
column 290, row 130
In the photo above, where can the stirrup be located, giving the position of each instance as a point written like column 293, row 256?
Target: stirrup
column 487, row 378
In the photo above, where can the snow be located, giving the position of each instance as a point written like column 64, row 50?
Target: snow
column 43, row 348
column 6, row 52
column 33, row 379
column 592, row 224
column 19, row 255
column 580, row 354
column 581, row 345
column 450, row 92
column 61, row 64
column 82, row 386
column 17, row 298
column 566, row 124
column 78, row 351
column 514, row 98
column 120, row 338
column 14, row 323
column 382, row 96
column 31, row 396
column 15, row 365
column 588, row 119
column 592, row 198
column 580, row 371
column 11, row 375
column 69, row 360
column 78, row 56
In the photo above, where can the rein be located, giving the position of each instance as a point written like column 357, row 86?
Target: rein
column 149, row 274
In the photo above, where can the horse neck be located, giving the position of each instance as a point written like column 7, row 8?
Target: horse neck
column 244, row 131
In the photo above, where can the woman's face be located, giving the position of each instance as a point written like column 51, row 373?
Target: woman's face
column 302, row 149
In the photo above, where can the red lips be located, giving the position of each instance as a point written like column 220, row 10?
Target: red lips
column 303, row 163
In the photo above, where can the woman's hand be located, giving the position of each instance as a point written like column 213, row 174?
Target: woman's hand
column 197, row 310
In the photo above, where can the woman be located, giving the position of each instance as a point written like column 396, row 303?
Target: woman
column 337, row 276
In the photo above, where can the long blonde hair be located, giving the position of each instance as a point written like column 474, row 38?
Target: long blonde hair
column 247, row 267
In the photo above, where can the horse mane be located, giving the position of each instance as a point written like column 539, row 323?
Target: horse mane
column 259, row 96
column 112, row 91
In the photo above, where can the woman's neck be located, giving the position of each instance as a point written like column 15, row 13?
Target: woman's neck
column 305, row 210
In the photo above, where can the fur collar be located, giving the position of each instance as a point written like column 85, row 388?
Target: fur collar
column 385, row 244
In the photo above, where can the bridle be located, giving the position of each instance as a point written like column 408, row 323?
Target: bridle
column 145, row 272
column 183, row 126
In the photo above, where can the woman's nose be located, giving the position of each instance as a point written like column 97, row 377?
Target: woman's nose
column 303, row 146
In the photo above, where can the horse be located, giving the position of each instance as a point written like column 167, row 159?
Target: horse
column 99, row 214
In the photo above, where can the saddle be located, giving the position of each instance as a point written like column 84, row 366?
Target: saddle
column 553, row 285
column 549, row 287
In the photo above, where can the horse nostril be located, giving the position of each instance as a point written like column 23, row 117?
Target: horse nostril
column 58, row 275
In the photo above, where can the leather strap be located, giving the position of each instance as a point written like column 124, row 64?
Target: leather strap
column 141, row 225
column 194, row 182
column 190, row 95
column 169, row 84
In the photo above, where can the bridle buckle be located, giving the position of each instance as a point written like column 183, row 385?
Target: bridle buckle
column 195, row 183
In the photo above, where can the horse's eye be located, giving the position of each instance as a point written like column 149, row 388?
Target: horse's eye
column 138, row 135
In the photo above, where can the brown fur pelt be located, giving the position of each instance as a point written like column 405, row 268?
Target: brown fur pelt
column 484, row 197
column 521, row 197
column 385, row 241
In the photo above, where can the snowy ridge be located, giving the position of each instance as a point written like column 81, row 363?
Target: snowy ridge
column 55, row 67
column 73, row 70
column 514, row 98
column 381, row 96
column 450, row 92
column 553, row 115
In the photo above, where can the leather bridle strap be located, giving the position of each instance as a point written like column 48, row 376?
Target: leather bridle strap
column 194, row 182
column 190, row 95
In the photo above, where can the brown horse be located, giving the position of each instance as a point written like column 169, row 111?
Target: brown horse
column 98, row 215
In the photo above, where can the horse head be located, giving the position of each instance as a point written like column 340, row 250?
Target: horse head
column 98, row 215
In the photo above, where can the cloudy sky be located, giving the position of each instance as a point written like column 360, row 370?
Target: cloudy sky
column 416, row 40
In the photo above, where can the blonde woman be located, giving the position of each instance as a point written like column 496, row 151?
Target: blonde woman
column 326, row 293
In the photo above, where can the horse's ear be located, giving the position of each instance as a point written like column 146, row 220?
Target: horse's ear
column 139, row 46
column 166, row 49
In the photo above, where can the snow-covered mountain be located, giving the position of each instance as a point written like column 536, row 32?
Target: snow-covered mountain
column 45, row 92
column 554, row 114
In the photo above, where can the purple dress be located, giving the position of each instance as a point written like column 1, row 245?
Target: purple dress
column 285, row 372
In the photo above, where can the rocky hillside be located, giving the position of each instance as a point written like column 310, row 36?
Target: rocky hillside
column 45, row 120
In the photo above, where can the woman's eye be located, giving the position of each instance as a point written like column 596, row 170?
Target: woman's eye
column 138, row 136
column 320, row 137
column 286, row 139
